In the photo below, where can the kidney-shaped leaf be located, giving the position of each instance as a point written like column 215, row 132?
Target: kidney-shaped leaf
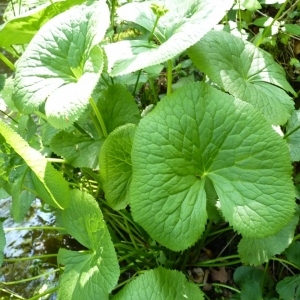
column 161, row 284
column 200, row 132
column 246, row 72
column 93, row 273
column 48, row 181
column 181, row 27
column 62, row 64
column 115, row 165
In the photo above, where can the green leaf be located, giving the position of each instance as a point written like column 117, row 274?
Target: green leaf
column 21, row 29
column 293, row 139
column 258, row 251
column 251, row 5
column 94, row 272
column 200, row 132
column 181, row 27
column 79, row 150
column 50, row 179
column 2, row 243
column 289, row 288
column 161, row 284
column 292, row 29
column 246, row 72
column 117, row 107
column 292, row 253
column 115, row 166
column 21, row 199
column 62, row 64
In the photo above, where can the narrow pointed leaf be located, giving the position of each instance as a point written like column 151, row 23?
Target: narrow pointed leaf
column 181, row 27
column 258, row 251
column 52, row 181
column 246, row 72
column 200, row 132
column 93, row 273
column 115, row 166
column 160, row 284
column 62, row 64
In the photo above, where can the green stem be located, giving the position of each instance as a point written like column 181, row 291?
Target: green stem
column 291, row 132
column 153, row 29
column 99, row 117
column 264, row 278
column 56, row 160
column 12, row 294
column 169, row 77
column 7, row 62
column 11, row 260
column 136, row 83
column 267, row 30
column 296, row 237
column 283, row 261
column 31, row 278
column 112, row 13
column 51, row 291
column 34, row 227
column 224, row 286
column 41, row 115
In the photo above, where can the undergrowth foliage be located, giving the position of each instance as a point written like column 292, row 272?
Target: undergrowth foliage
column 141, row 181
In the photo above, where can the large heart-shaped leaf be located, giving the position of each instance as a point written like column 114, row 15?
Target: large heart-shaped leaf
column 93, row 273
column 160, row 283
column 246, row 72
column 181, row 27
column 62, row 64
column 196, row 133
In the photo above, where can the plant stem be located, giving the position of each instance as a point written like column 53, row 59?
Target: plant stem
column 56, row 160
column 99, row 117
column 10, row 260
column 153, row 89
column 12, row 294
column 169, row 77
column 112, row 13
column 31, row 278
column 34, row 227
column 51, row 291
column 153, row 29
column 224, row 286
column 7, row 62
column 267, row 30
column 136, row 83
column 291, row 132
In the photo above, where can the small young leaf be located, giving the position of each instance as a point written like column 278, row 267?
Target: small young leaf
column 117, row 107
column 251, row 5
column 289, row 288
column 115, row 166
column 293, row 140
column 292, row 253
column 79, row 150
column 160, row 283
column 62, row 64
column 181, row 27
column 94, row 272
column 257, row 251
column 245, row 71
column 200, row 132
column 2, row 243
column 47, row 178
